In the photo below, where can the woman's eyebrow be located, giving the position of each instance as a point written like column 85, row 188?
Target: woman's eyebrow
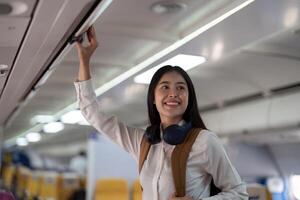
column 165, row 82
column 181, row 83
column 177, row 83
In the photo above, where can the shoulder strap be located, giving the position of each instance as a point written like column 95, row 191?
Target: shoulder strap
column 179, row 160
column 144, row 149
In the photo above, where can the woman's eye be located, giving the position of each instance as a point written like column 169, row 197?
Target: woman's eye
column 181, row 88
column 164, row 87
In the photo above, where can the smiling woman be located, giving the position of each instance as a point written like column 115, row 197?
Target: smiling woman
column 173, row 111
column 171, row 98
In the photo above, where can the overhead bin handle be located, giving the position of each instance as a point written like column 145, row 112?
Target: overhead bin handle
column 79, row 38
column 79, row 35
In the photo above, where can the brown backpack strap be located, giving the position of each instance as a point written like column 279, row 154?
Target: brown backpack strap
column 144, row 149
column 179, row 161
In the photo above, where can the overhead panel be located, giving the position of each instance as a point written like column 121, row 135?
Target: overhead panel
column 14, row 19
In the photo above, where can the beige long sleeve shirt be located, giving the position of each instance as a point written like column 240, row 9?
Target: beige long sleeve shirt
column 207, row 158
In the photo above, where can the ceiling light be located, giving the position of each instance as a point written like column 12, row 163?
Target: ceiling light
column 291, row 17
column 21, row 141
column 185, row 61
column 167, row 7
column 42, row 119
column 33, row 137
column 217, row 50
column 53, row 127
column 72, row 117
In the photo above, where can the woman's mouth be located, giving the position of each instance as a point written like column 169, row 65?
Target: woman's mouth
column 172, row 103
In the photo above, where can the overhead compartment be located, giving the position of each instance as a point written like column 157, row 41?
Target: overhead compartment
column 273, row 112
column 46, row 41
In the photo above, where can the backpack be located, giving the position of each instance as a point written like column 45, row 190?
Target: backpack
column 178, row 160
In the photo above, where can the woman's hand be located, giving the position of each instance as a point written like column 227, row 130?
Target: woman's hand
column 173, row 197
column 85, row 53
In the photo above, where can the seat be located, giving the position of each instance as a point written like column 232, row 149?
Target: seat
column 136, row 190
column 33, row 187
column 111, row 189
column 70, row 184
column 258, row 191
column 51, row 186
column 8, row 175
column 22, row 181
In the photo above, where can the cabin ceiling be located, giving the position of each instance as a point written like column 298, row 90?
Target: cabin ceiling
column 253, row 53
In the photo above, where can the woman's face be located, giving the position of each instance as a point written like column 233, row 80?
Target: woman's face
column 171, row 97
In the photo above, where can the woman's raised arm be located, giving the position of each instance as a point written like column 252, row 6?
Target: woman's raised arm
column 85, row 53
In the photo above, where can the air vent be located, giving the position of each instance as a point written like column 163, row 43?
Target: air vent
column 5, row 9
column 13, row 8
column 3, row 70
column 167, row 7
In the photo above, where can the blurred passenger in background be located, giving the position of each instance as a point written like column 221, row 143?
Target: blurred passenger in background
column 78, row 164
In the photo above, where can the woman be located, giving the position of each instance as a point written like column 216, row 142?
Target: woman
column 171, row 101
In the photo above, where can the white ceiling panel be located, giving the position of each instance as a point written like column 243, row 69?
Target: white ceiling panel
column 267, row 72
column 219, row 85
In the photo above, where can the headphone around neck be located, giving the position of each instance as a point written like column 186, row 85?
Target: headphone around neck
column 176, row 134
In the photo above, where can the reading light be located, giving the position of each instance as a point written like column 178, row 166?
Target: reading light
column 184, row 61
column 53, row 127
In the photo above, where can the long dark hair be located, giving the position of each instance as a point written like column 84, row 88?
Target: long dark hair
column 191, row 113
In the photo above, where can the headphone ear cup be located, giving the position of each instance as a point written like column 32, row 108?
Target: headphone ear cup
column 175, row 134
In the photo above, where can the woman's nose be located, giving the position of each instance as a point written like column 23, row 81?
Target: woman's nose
column 173, row 93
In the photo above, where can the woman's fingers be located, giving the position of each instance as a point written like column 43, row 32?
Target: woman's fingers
column 85, row 51
column 92, row 37
column 78, row 45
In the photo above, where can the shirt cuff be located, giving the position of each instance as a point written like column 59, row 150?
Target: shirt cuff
column 84, row 88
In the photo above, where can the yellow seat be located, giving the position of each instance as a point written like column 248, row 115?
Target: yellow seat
column 258, row 191
column 111, row 189
column 33, row 188
column 70, row 183
column 51, row 186
column 9, row 173
column 82, row 181
column 137, row 190
column 22, row 180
